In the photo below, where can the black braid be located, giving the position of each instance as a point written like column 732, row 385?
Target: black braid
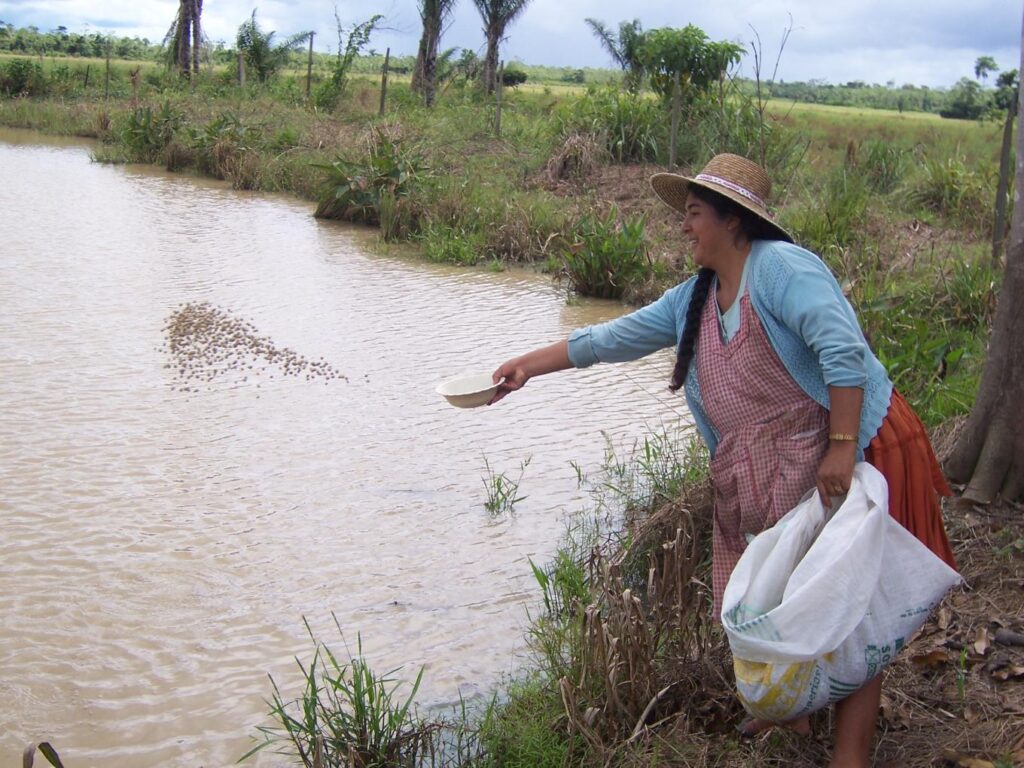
column 691, row 327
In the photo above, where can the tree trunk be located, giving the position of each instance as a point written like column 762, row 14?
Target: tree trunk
column 491, row 59
column 989, row 456
column 417, row 71
column 184, row 31
column 384, row 82
column 197, row 10
column 309, row 65
column 999, row 228
column 425, row 73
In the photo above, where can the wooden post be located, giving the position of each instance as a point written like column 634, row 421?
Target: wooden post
column 85, row 86
column 241, row 70
column 134, row 74
column 384, row 81
column 106, row 80
column 676, row 98
column 309, row 65
column 497, row 95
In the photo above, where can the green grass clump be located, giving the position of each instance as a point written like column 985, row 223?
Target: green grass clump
column 348, row 716
column 882, row 163
column 448, row 245
column 946, row 185
column 522, row 731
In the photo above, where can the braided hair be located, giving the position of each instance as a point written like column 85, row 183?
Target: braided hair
column 752, row 227
column 691, row 327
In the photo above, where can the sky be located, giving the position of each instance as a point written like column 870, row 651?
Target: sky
column 921, row 42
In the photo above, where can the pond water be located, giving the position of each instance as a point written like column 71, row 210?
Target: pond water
column 162, row 544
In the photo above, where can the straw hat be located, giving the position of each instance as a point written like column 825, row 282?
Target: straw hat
column 742, row 181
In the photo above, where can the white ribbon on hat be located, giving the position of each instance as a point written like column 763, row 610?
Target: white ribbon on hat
column 731, row 185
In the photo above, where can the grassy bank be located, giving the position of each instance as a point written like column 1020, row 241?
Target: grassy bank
column 628, row 668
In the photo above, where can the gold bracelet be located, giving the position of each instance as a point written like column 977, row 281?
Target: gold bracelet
column 843, row 437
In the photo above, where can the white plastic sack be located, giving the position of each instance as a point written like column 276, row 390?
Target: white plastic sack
column 817, row 606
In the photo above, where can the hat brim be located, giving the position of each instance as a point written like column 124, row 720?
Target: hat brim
column 673, row 189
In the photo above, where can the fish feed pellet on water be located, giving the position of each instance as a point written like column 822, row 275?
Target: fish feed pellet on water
column 206, row 342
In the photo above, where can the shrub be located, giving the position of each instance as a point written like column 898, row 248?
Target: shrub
column 22, row 77
column 353, row 189
column 221, row 146
column 513, row 77
column 934, row 358
column 146, row 133
column 607, row 259
column 730, row 121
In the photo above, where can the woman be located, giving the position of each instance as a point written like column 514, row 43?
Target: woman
column 780, row 381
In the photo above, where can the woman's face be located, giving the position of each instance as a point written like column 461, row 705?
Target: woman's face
column 709, row 234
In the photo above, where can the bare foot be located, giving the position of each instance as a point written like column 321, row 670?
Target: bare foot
column 756, row 725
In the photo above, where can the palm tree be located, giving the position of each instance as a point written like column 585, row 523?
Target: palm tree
column 496, row 15
column 259, row 50
column 624, row 49
column 433, row 13
column 185, row 38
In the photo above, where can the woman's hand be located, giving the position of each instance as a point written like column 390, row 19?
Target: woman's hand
column 519, row 370
column 514, row 375
column 835, row 473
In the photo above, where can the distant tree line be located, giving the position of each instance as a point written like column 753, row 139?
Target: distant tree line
column 60, row 42
column 634, row 50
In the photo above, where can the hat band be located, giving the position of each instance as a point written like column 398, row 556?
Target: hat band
column 731, row 186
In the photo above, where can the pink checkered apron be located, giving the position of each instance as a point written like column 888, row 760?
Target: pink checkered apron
column 772, row 435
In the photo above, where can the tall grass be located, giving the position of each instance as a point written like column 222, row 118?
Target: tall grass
column 630, row 127
column 834, row 217
column 948, row 187
column 348, row 716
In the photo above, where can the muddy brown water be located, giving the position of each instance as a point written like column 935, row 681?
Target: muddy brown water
column 161, row 547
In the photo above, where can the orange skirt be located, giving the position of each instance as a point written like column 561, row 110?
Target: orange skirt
column 902, row 452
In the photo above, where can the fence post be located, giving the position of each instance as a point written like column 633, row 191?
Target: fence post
column 309, row 65
column 85, row 86
column 497, row 94
column 241, row 70
column 106, row 79
column 384, row 81
column 676, row 97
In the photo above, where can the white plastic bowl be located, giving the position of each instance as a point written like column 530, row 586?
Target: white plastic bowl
column 468, row 390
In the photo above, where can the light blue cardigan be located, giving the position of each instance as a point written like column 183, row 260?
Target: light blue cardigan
column 809, row 323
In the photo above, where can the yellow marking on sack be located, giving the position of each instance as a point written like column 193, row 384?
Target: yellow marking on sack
column 771, row 690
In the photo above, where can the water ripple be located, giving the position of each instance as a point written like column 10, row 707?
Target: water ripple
column 161, row 548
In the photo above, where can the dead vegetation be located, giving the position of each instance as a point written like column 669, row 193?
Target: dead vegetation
column 654, row 685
